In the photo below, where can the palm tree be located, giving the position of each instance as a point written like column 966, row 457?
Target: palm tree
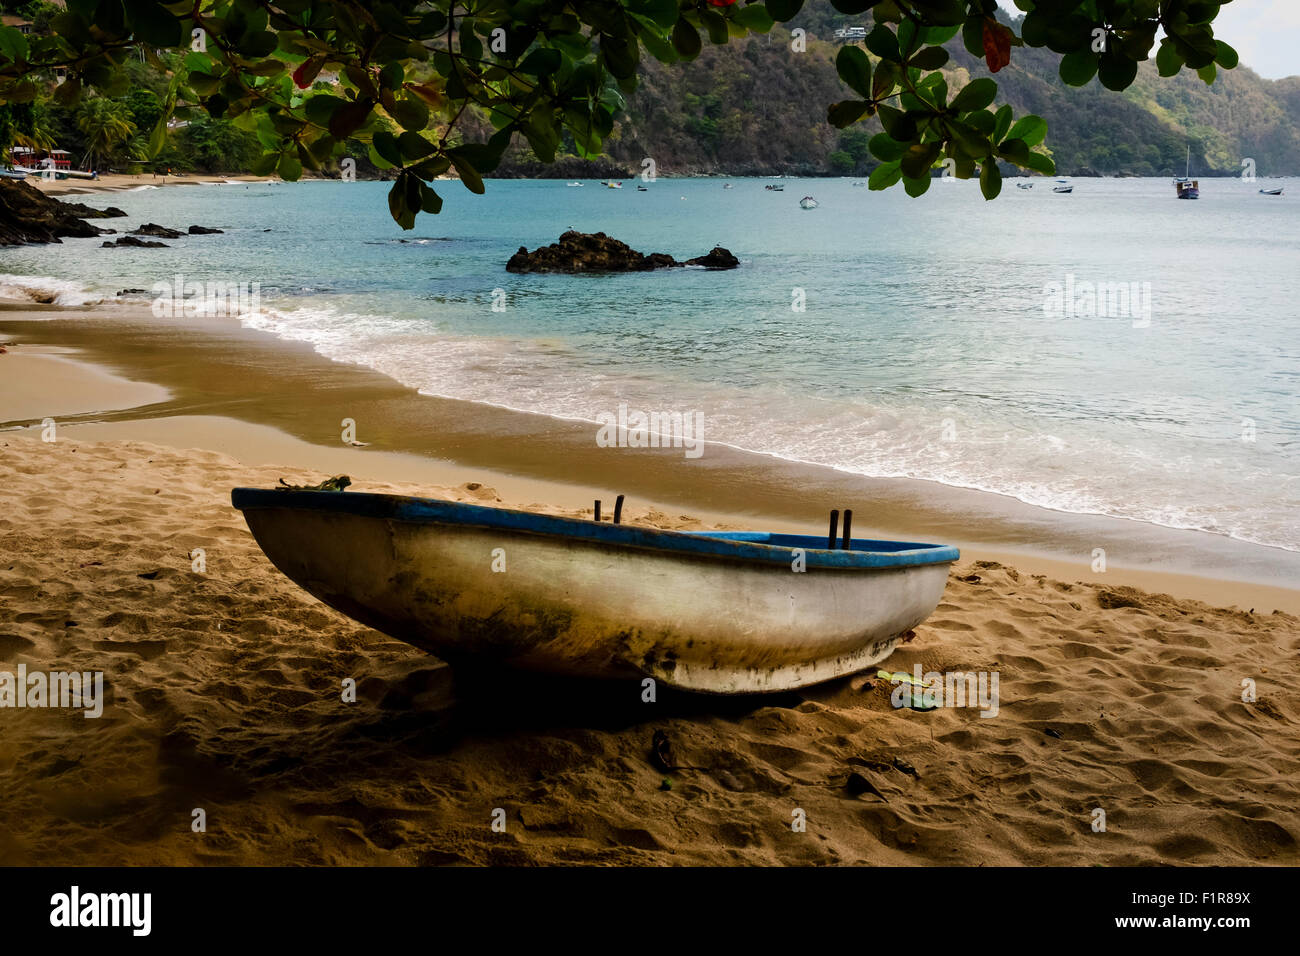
column 107, row 126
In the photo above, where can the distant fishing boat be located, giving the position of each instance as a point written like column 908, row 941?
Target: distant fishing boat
column 1276, row 191
column 575, row 184
column 859, row 182
column 642, row 189
column 1063, row 189
column 728, row 186
column 1187, row 188
column 716, row 612
column 775, row 189
column 613, row 185
column 1024, row 185
column 807, row 203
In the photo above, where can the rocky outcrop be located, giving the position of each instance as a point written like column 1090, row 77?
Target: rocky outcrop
column 597, row 252
column 157, row 231
column 715, row 258
column 134, row 242
column 204, row 231
column 28, row 216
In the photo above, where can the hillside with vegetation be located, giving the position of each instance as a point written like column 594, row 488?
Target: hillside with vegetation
column 752, row 106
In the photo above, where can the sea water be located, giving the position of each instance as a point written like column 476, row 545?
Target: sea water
column 1112, row 351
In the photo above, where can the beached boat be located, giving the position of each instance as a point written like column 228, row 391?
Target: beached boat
column 717, row 612
column 1276, row 191
column 12, row 174
column 807, row 203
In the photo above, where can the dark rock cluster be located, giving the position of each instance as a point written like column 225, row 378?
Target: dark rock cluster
column 597, row 252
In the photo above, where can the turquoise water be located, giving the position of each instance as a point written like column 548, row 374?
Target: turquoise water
column 925, row 349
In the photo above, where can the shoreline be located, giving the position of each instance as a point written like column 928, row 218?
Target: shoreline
column 222, row 677
column 268, row 400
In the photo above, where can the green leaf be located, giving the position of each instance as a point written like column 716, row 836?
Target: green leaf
column 414, row 146
column 854, row 68
column 975, row 95
column 917, row 185
column 385, row 144
column 430, row 201
column 1208, row 73
column 1002, row 122
column 411, row 112
column 1116, row 71
column 1032, row 129
column 784, row 10
column 290, row 167
column 885, row 149
column 1227, row 56
column 1168, row 60
column 401, row 212
column 930, row 58
column 754, row 17
column 686, row 39
column 990, row 180
column 883, row 43
column 1040, row 163
column 846, row 113
column 13, row 44
column 1078, row 68
column 884, row 176
column 152, row 23
column 468, row 174
column 542, row 61
column 897, row 124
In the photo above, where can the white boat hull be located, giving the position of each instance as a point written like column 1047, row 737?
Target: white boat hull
column 576, row 606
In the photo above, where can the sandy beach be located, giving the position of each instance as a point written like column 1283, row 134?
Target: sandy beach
column 222, row 684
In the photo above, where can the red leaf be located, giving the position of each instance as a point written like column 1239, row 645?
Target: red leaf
column 721, row 3
column 997, row 44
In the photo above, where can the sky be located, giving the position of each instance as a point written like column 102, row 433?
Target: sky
column 1265, row 32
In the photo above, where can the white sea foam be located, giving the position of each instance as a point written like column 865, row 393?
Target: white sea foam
column 45, row 289
column 1079, row 473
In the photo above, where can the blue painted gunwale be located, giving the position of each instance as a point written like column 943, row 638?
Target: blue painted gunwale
column 756, row 546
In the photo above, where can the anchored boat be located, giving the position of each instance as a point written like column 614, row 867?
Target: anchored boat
column 807, row 203
column 717, row 612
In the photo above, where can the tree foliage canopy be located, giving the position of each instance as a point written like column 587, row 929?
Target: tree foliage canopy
column 308, row 75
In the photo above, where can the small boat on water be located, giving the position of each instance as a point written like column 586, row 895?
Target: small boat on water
column 775, row 189
column 728, row 186
column 1024, row 185
column 807, row 203
column 1063, row 189
column 1276, row 191
column 12, row 174
column 576, row 184
column 858, row 182
column 1187, row 188
column 613, row 185
column 722, row 612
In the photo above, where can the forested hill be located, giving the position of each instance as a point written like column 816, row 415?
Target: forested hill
column 756, row 106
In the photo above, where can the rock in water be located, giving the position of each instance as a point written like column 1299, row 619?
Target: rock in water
column 716, row 258
column 27, row 215
column 157, row 231
column 133, row 241
column 203, row 231
column 597, row 252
